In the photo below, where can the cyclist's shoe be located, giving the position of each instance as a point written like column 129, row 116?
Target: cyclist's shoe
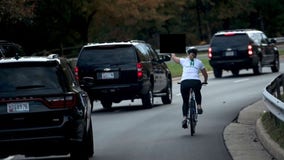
column 199, row 110
column 184, row 124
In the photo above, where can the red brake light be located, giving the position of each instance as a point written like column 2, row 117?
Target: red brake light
column 210, row 52
column 76, row 70
column 229, row 34
column 250, row 52
column 139, row 70
column 65, row 101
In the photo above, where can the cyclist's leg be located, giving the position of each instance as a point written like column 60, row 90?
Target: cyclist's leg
column 198, row 96
column 185, row 93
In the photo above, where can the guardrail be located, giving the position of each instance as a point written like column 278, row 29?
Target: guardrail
column 272, row 95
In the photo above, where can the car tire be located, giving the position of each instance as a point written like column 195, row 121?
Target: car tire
column 84, row 149
column 276, row 65
column 257, row 69
column 106, row 104
column 217, row 72
column 168, row 98
column 90, row 141
column 148, row 99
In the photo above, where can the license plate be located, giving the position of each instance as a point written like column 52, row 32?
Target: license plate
column 229, row 53
column 108, row 75
column 18, row 107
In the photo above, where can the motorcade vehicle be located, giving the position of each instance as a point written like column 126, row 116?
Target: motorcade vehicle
column 43, row 110
column 233, row 50
column 116, row 71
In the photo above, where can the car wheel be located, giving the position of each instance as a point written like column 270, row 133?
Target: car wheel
column 148, row 99
column 90, row 141
column 106, row 104
column 84, row 149
column 276, row 65
column 258, row 68
column 217, row 72
column 168, row 98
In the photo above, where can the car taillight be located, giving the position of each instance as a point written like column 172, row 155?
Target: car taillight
column 250, row 52
column 64, row 101
column 210, row 52
column 139, row 70
column 76, row 70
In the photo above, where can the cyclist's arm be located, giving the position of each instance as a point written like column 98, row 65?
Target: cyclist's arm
column 175, row 58
column 205, row 75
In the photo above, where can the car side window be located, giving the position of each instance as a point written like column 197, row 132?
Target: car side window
column 264, row 39
column 153, row 54
column 256, row 38
column 141, row 55
column 144, row 51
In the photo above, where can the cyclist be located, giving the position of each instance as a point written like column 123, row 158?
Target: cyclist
column 191, row 66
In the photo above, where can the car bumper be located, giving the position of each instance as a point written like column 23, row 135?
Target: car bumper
column 118, row 92
column 232, row 64
column 43, row 138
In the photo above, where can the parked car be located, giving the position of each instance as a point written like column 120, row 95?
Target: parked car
column 43, row 110
column 234, row 50
column 10, row 49
column 116, row 71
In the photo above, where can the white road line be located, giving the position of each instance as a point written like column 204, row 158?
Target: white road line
column 241, row 80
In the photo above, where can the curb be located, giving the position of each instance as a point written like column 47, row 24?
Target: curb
column 240, row 135
column 247, row 139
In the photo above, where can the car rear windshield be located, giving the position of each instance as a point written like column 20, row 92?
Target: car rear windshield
column 30, row 80
column 230, row 41
column 107, row 55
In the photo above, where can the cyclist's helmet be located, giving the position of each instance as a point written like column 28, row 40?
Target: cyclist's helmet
column 192, row 50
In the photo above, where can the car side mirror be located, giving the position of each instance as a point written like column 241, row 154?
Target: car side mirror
column 272, row 41
column 165, row 57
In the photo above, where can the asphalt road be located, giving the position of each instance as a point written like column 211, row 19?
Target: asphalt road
column 128, row 131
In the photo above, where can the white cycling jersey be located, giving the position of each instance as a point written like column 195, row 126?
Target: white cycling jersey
column 191, row 68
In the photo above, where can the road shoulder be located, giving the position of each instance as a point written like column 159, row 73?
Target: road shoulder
column 240, row 136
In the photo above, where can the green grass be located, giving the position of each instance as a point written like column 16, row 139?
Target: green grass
column 274, row 127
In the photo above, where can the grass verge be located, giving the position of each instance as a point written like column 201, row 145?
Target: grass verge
column 274, row 127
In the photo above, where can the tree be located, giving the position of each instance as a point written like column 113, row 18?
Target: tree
column 15, row 15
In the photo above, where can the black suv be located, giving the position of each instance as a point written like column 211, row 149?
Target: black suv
column 112, row 72
column 242, row 49
column 10, row 49
column 43, row 111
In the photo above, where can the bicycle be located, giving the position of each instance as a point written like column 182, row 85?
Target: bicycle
column 193, row 115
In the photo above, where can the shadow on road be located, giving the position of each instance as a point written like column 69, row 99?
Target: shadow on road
column 124, row 108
